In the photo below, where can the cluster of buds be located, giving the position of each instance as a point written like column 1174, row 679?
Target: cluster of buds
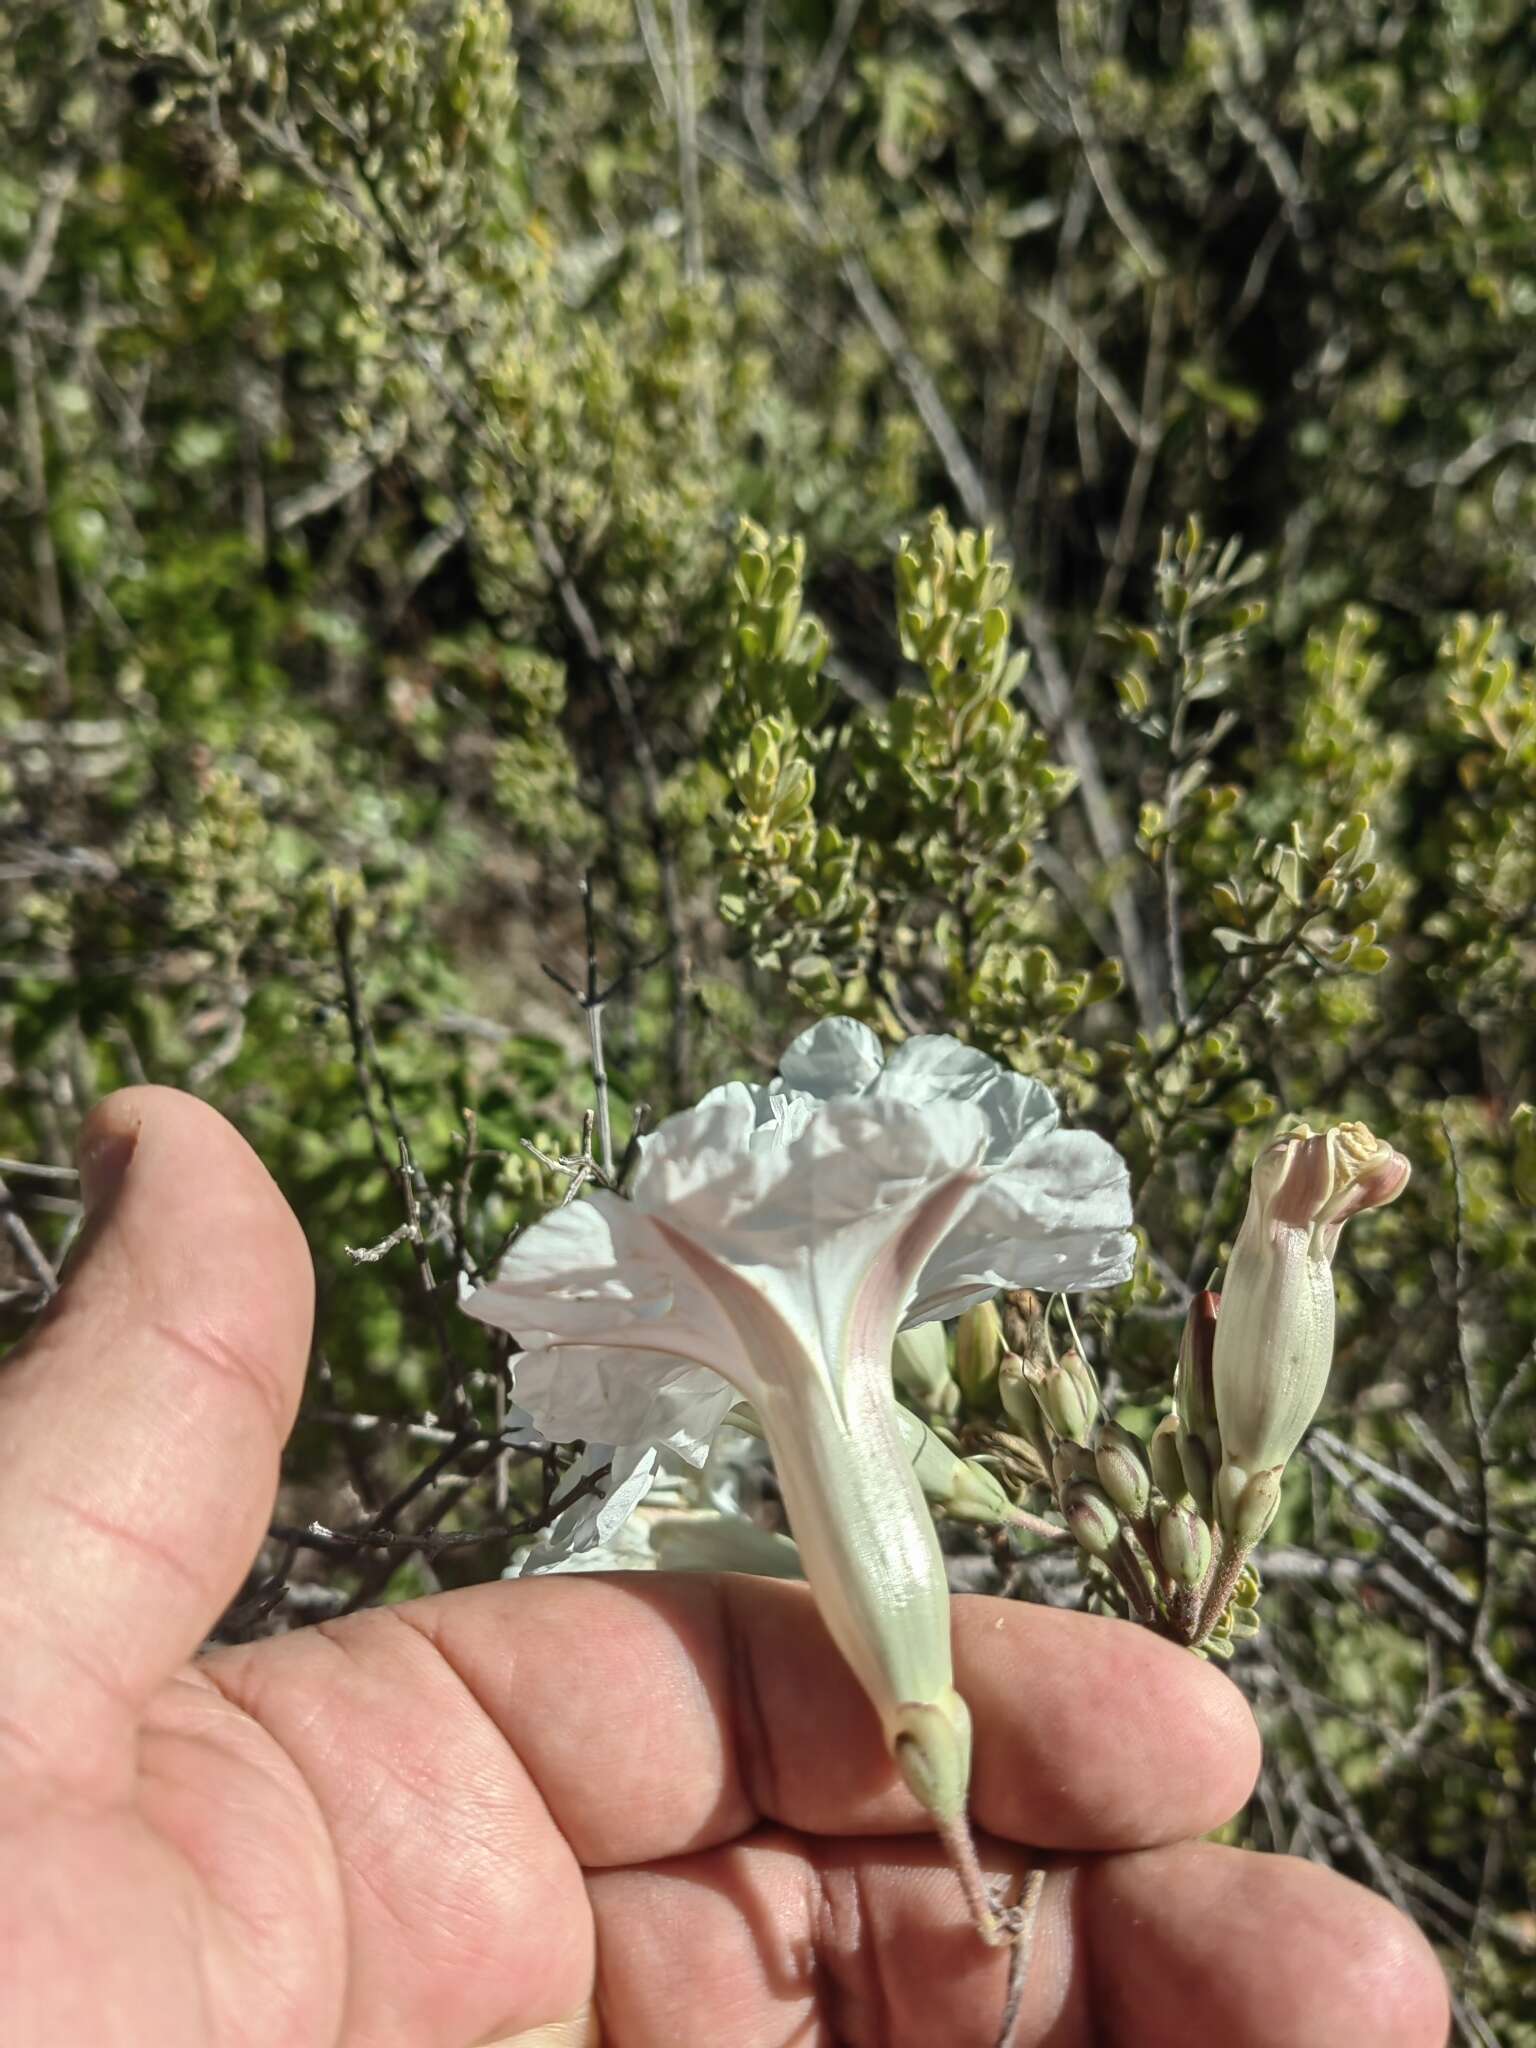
column 1169, row 1525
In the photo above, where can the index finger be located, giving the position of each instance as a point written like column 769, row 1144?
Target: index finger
column 658, row 1715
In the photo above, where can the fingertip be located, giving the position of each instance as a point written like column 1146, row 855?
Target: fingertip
column 1265, row 1949
column 1228, row 1736
column 108, row 1139
column 190, row 1175
column 1396, row 1974
column 1126, row 1739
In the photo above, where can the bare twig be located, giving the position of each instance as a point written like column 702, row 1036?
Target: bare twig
column 29, row 1169
column 592, row 1000
column 1518, row 1697
column 20, row 286
column 31, row 1252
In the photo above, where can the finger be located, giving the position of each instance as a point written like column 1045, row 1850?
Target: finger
column 862, row 1944
column 658, row 1715
column 1199, row 1942
column 143, row 1419
column 868, row 1944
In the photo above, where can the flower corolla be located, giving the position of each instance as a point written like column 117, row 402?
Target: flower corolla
column 775, row 1240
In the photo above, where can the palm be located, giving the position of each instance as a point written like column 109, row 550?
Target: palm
column 653, row 1807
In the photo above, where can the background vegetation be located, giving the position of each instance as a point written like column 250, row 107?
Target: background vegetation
column 383, row 383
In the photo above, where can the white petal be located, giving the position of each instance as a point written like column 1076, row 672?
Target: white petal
column 598, row 1274
column 838, row 1056
column 689, row 1151
column 851, row 1163
column 941, row 1069
column 627, row 1397
column 1058, row 1219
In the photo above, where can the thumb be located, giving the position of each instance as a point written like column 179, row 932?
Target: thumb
column 143, row 1420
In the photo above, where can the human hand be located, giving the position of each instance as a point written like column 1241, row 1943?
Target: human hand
column 652, row 1811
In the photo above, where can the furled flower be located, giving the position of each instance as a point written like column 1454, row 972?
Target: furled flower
column 775, row 1241
column 1273, row 1341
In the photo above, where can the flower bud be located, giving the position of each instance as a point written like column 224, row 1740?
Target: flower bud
column 1021, row 1407
column 1122, row 1469
column 1246, row 1503
column 1072, row 1465
column 978, row 1349
column 1068, row 1395
column 1184, row 1546
column 1163, row 1451
column 953, row 1485
column 1274, row 1337
column 920, row 1367
column 1091, row 1518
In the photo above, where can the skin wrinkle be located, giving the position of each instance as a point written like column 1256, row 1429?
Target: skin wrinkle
column 267, row 1761
column 130, row 1539
column 230, row 1363
column 869, row 1954
column 404, row 1781
column 278, row 1764
column 751, row 1744
column 344, row 1868
column 542, row 1814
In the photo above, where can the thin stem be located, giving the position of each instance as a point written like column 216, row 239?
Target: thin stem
column 26, row 1244
column 1133, row 1582
column 1184, row 1613
column 1027, row 1926
column 600, row 1087
column 1012, row 1927
column 685, row 115
column 960, row 1847
column 45, row 561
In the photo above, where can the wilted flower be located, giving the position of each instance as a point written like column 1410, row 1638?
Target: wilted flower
column 776, row 1240
column 1274, row 1336
column 1022, row 1409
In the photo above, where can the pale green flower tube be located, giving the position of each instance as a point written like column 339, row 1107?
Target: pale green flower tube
column 866, row 1538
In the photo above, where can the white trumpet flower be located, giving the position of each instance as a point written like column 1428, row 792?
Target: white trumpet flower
column 775, row 1241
